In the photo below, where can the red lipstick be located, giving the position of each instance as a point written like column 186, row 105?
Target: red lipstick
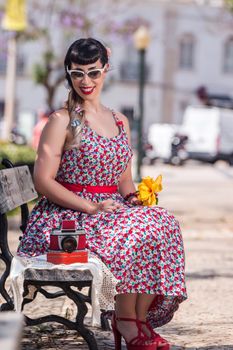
column 87, row 90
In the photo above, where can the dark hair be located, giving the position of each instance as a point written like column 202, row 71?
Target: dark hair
column 85, row 51
column 82, row 51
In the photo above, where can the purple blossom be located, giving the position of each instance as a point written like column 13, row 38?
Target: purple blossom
column 79, row 22
column 66, row 21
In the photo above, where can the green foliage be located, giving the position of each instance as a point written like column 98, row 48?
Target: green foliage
column 48, row 57
column 72, row 16
column 43, row 73
column 17, row 154
column 39, row 73
column 229, row 4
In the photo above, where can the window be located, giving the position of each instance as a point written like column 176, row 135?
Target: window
column 186, row 52
column 20, row 64
column 2, row 104
column 20, row 59
column 228, row 56
column 129, row 67
column 129, row 71
column 3, row 51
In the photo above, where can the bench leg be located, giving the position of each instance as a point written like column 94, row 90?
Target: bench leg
column 6, row 257
column 86, row 334
column 79, row 300
column 105, row 318
column 9, row 305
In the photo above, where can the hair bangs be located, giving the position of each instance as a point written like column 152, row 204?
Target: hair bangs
column 84, row 56
column 86, row 51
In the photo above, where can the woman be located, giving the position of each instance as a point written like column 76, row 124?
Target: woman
column 83, row 169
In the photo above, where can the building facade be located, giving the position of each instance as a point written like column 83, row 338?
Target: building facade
column 191, row 47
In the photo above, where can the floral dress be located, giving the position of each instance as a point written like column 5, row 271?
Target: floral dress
column 141, row 246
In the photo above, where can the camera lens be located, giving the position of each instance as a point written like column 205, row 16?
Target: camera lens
column 69, row 244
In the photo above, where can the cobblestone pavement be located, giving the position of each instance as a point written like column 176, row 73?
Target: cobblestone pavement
column 205, row 320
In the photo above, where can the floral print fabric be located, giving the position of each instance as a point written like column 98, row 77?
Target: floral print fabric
column 141, row 246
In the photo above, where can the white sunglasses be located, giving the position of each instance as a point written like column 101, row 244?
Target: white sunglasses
column 77, row 74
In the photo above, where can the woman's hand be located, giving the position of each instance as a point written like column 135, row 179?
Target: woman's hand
column 107, row 206
column 134, row 201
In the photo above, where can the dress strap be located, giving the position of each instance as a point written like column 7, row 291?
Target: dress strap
column 117, row 120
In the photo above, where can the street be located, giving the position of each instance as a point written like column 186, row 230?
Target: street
column 200, row 196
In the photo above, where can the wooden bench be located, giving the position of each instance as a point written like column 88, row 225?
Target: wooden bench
column 16, row 189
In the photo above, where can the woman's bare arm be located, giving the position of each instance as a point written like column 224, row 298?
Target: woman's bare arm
column 126, row 184
column 47, row 163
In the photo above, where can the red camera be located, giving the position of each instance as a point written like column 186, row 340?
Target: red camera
column 68, row 244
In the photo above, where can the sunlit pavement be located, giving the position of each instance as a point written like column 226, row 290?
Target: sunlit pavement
column 200, row 195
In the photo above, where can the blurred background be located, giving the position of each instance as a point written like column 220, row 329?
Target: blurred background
column 172, row 76
column 171, row 63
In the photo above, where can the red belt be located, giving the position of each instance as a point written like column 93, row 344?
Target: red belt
column 89, row 188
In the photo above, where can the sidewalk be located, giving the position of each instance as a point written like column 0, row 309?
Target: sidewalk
column 203, row 322
column 202, row 198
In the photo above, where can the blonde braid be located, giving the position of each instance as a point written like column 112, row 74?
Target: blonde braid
column 77, row 119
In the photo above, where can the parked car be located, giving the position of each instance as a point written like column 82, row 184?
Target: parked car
column 179, row 152
column 160, row 139
column 210, row 133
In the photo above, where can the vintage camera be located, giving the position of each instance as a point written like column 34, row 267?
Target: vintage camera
column 68, row 239
column 67, row 245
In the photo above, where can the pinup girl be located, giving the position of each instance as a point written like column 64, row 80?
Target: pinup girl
column 83, row 171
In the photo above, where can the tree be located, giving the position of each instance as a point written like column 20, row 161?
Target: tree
column 229, row 5
column 44, row 73
column 86, row 18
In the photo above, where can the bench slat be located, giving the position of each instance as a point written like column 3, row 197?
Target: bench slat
column 57, row 275
column 16, row 188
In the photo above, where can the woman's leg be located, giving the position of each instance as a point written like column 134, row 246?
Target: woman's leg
column 143, row 303
column 132, row 306
column 142, row 306
column 125, row 307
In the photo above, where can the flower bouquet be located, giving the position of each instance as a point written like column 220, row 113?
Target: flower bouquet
column 148, row 190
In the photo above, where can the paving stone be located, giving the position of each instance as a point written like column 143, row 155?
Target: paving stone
column 205, row 320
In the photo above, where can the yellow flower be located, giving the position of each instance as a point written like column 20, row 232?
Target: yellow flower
column 148, row 189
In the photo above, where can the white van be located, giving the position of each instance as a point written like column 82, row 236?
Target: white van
column 210, row 133
column 160, row 137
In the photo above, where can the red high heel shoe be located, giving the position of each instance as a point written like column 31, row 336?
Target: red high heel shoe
column 140, row 342
column 162, row 344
